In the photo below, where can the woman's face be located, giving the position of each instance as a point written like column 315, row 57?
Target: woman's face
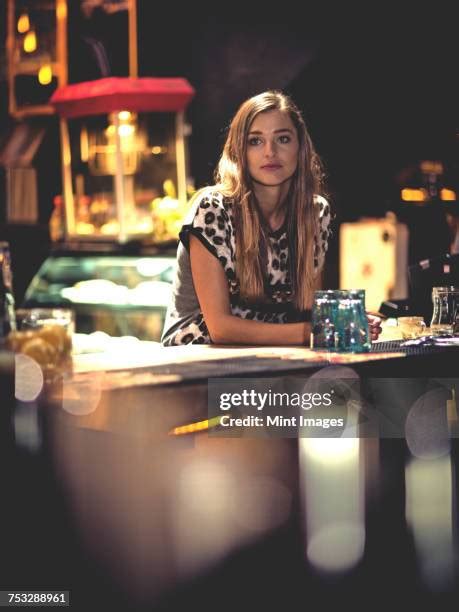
column 272, row 148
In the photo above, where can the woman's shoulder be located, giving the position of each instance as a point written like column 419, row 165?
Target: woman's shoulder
column 322, row 205
column 209, row 206
column 207, row 199
column 211, row 195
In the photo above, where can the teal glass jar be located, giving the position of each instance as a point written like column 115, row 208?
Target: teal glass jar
column 339, row 321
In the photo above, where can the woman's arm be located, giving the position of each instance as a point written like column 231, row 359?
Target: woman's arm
column 224, row 328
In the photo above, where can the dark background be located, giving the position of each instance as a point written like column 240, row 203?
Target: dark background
column 377, row 87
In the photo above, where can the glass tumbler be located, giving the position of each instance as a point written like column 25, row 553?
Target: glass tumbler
column 352, row 323
column 323, row 320
column 412, row 327
column 445, row 310
column 45, row 335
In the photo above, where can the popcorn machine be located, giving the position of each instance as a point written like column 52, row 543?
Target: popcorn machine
column 124, row 162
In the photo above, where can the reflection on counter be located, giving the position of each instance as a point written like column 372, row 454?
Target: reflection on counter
column 333, row 501
column 429, row 514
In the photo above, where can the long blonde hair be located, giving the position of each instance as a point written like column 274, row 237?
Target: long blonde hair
column 233, row 181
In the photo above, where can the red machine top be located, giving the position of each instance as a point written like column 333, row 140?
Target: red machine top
column 111, row 94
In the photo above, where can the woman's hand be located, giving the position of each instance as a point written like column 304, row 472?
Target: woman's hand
column 374, row 325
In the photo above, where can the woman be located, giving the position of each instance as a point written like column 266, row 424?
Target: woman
column 253, row 245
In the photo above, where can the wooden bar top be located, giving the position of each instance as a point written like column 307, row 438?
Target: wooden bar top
column 139, row 363
column 150, row 354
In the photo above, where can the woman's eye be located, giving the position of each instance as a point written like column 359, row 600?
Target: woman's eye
column 254, row 141
column 284, row 139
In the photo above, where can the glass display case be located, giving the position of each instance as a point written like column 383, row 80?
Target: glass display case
column 119, row 294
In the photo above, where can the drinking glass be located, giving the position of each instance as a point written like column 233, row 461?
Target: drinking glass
column 445, row 310
column 353, row 331
column 339, row 322
column 412, row 327
column 323, row 321
column 45, row 335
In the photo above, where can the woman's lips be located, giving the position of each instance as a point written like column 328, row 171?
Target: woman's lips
column 271, row 167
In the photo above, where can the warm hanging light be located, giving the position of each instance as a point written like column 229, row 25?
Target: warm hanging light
column 30, row 42
column 413, row 195
column 45, row 74
column 61, row 10
column 23, row 23
column 448, row 195
column 124, row 115
column 84, row 144
column 431, row 167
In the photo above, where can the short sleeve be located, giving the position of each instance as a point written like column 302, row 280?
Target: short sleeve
column 210, row 220
column 323, row 231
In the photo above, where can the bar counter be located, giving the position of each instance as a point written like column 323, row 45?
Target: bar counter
column 169, row 365
column 135, row 511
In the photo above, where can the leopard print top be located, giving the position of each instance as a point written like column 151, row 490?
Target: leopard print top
column 211, row 220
